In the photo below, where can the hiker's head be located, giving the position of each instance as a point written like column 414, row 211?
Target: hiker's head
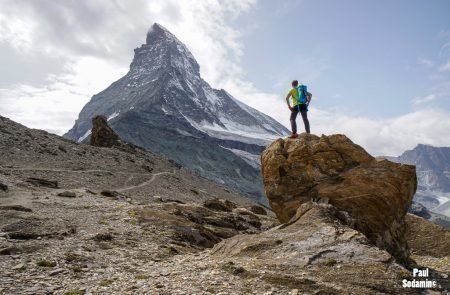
column 294, row 83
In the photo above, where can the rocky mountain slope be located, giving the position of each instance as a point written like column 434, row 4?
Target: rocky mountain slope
column 433, row 175
column 163, row 105
column 80, row 219
column 84, row 219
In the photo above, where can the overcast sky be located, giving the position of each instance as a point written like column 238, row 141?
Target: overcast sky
column 379, row 71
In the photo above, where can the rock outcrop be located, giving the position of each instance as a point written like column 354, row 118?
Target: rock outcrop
column 102, row 135
column 332, row 169
column 317, row 254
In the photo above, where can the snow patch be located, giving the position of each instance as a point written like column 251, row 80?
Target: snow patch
column 84, row 136
column 112, row 116
column 234, row 131
column 185, row 133
column 251, row 159
column 242, row 130
column 211, row 96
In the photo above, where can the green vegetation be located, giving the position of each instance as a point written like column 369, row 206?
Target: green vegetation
column 141, row 277
column 46, row 263
column 74, row 292
column 105, row 283
column 132, row 213
column 329, row 262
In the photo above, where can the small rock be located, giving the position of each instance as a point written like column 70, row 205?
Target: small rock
column 111, row 194
column 294, row 291
column 42, row 182
column 33, row 290
column 174, row 201
column 3, row 186
column 19, row 266
column 258, row 210
column 217, row 205
column 230, row 204
column 9, row 250
column 16, row 208
column 158, row 198
column 103, row 237
column 67, row 194
column 56, row 271
column 62, row 149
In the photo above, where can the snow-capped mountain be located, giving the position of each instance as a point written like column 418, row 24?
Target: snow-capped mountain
column 164, row 105
column 433, row 176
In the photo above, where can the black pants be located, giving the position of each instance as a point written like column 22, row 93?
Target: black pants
column 303, row 109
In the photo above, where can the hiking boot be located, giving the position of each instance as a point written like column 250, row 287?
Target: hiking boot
column 293, row 135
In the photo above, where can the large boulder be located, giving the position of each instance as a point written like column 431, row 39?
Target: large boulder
column 332, row 169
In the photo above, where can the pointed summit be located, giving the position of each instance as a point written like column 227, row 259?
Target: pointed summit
column 159, row 33
column 163, row 50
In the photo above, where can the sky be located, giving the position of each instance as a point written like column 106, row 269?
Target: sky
column 379, row 71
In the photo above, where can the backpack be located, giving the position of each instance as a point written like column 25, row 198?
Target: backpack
column 302, row 94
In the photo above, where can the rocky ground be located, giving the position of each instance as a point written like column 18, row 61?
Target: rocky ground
column 98, row 244
column 78, row 219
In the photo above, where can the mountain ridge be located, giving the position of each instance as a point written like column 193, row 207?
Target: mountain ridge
column 433, row 175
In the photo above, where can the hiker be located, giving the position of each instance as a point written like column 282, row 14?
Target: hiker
column 300, row 100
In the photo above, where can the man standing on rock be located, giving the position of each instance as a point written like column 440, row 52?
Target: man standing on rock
column 300, row 101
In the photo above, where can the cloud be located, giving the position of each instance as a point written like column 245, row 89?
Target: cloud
column 55, row 105
column 424, row 99
column 387, row 136
column 93, row 43
column 445, row 67
column 287, row 6
column 425, row 62
column 380, row 136
column 445, row 49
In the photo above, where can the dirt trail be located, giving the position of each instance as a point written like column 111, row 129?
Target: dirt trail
column 145, row 182
column 70, row 171
column 123, row 189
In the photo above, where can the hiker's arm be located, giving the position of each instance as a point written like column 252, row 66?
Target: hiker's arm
column 309, row 97
column 287, row 101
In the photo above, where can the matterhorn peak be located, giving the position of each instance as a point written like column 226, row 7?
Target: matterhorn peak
column 162, row 50
column 158, row 33
column 164, row 105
